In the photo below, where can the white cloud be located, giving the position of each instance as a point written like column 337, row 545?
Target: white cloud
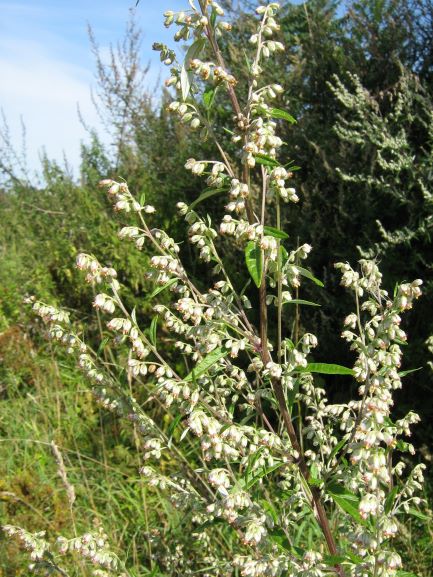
column 45, row 92
column 46, row 67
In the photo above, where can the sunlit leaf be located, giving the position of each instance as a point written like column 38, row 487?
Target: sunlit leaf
column 254, row 261
column 262, row 472
column 278, row 113
column 204, row 365
column 208, row 193
column 326, row 369
column 159, row 289
column 305, row 272
column 275, row 232
column 404, row 373
column 345, row 500
column 390, row 500
column 337, row 447
column 301, row 302
column 418, row 514
column 209, row 97
column 186, row 75
column 152, row 330
column 266, row 160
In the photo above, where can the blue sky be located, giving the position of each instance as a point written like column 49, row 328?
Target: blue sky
column 47, row 69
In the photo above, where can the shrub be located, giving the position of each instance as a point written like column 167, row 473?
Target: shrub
column 279, row 481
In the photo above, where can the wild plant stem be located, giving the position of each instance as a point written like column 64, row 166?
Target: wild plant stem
column 279, row 287
column 263, row 311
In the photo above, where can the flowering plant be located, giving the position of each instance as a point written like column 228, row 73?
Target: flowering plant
column 274, row 453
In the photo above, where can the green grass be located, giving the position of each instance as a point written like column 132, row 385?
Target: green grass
column 44, row 400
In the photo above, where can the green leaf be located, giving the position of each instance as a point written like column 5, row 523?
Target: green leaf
column 185, row 82
column 251, row 461
column 291, row 394
column 418, row 514
column 345, row 500
column 305, row 272
column 301, row 302
column 186, row 75
column 152, row 330
column 103, row 344
column 275, row 232
column 270, row 509
column 406, row 574
column 403, row 446
column 213, row 17
column 337, row 447
column 207, row 194
column 278, row 113
column 159, row 289
column 278, row 537
column 354, row 558
column 254, row 261
column 173, row 425
column 335, row 559
column 209, row 97
column 247, row 61
column 404, row 373
column 326, row 369
column 266, row 160
column 314, row 478
column 134, row 315
column 390, row 500
column 262, row 472
column 205, row 364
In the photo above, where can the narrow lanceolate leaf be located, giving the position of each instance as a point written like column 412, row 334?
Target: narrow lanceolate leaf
column 335, row 559
column 254, row 261
column 327, row 369
column 159, row 289
column 173, row 425
column 103, row 344
column 152, row 330
column 301, row 302
column 185, row 83
column 262, row 472
column 185, row 75
column 266, row 160
column 204, row 365
column 418, row 514
column 278, row 537
column 406, row 574
column 337, row 447
column 345, row 500
column 207, row 194
column 278, row 113
column 275, row 232
column 404, row 373
column 213, row 18
column 305, row 272
column 389, row 503
column 209, row 97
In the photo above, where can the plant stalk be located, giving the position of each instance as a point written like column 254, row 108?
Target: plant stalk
column 265, row 355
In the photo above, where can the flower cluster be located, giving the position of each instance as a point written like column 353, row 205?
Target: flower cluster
column 92, row 546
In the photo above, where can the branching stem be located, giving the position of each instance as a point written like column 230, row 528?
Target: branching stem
column 263, row 311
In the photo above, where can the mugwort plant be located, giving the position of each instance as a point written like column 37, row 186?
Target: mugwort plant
column 274, row 454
